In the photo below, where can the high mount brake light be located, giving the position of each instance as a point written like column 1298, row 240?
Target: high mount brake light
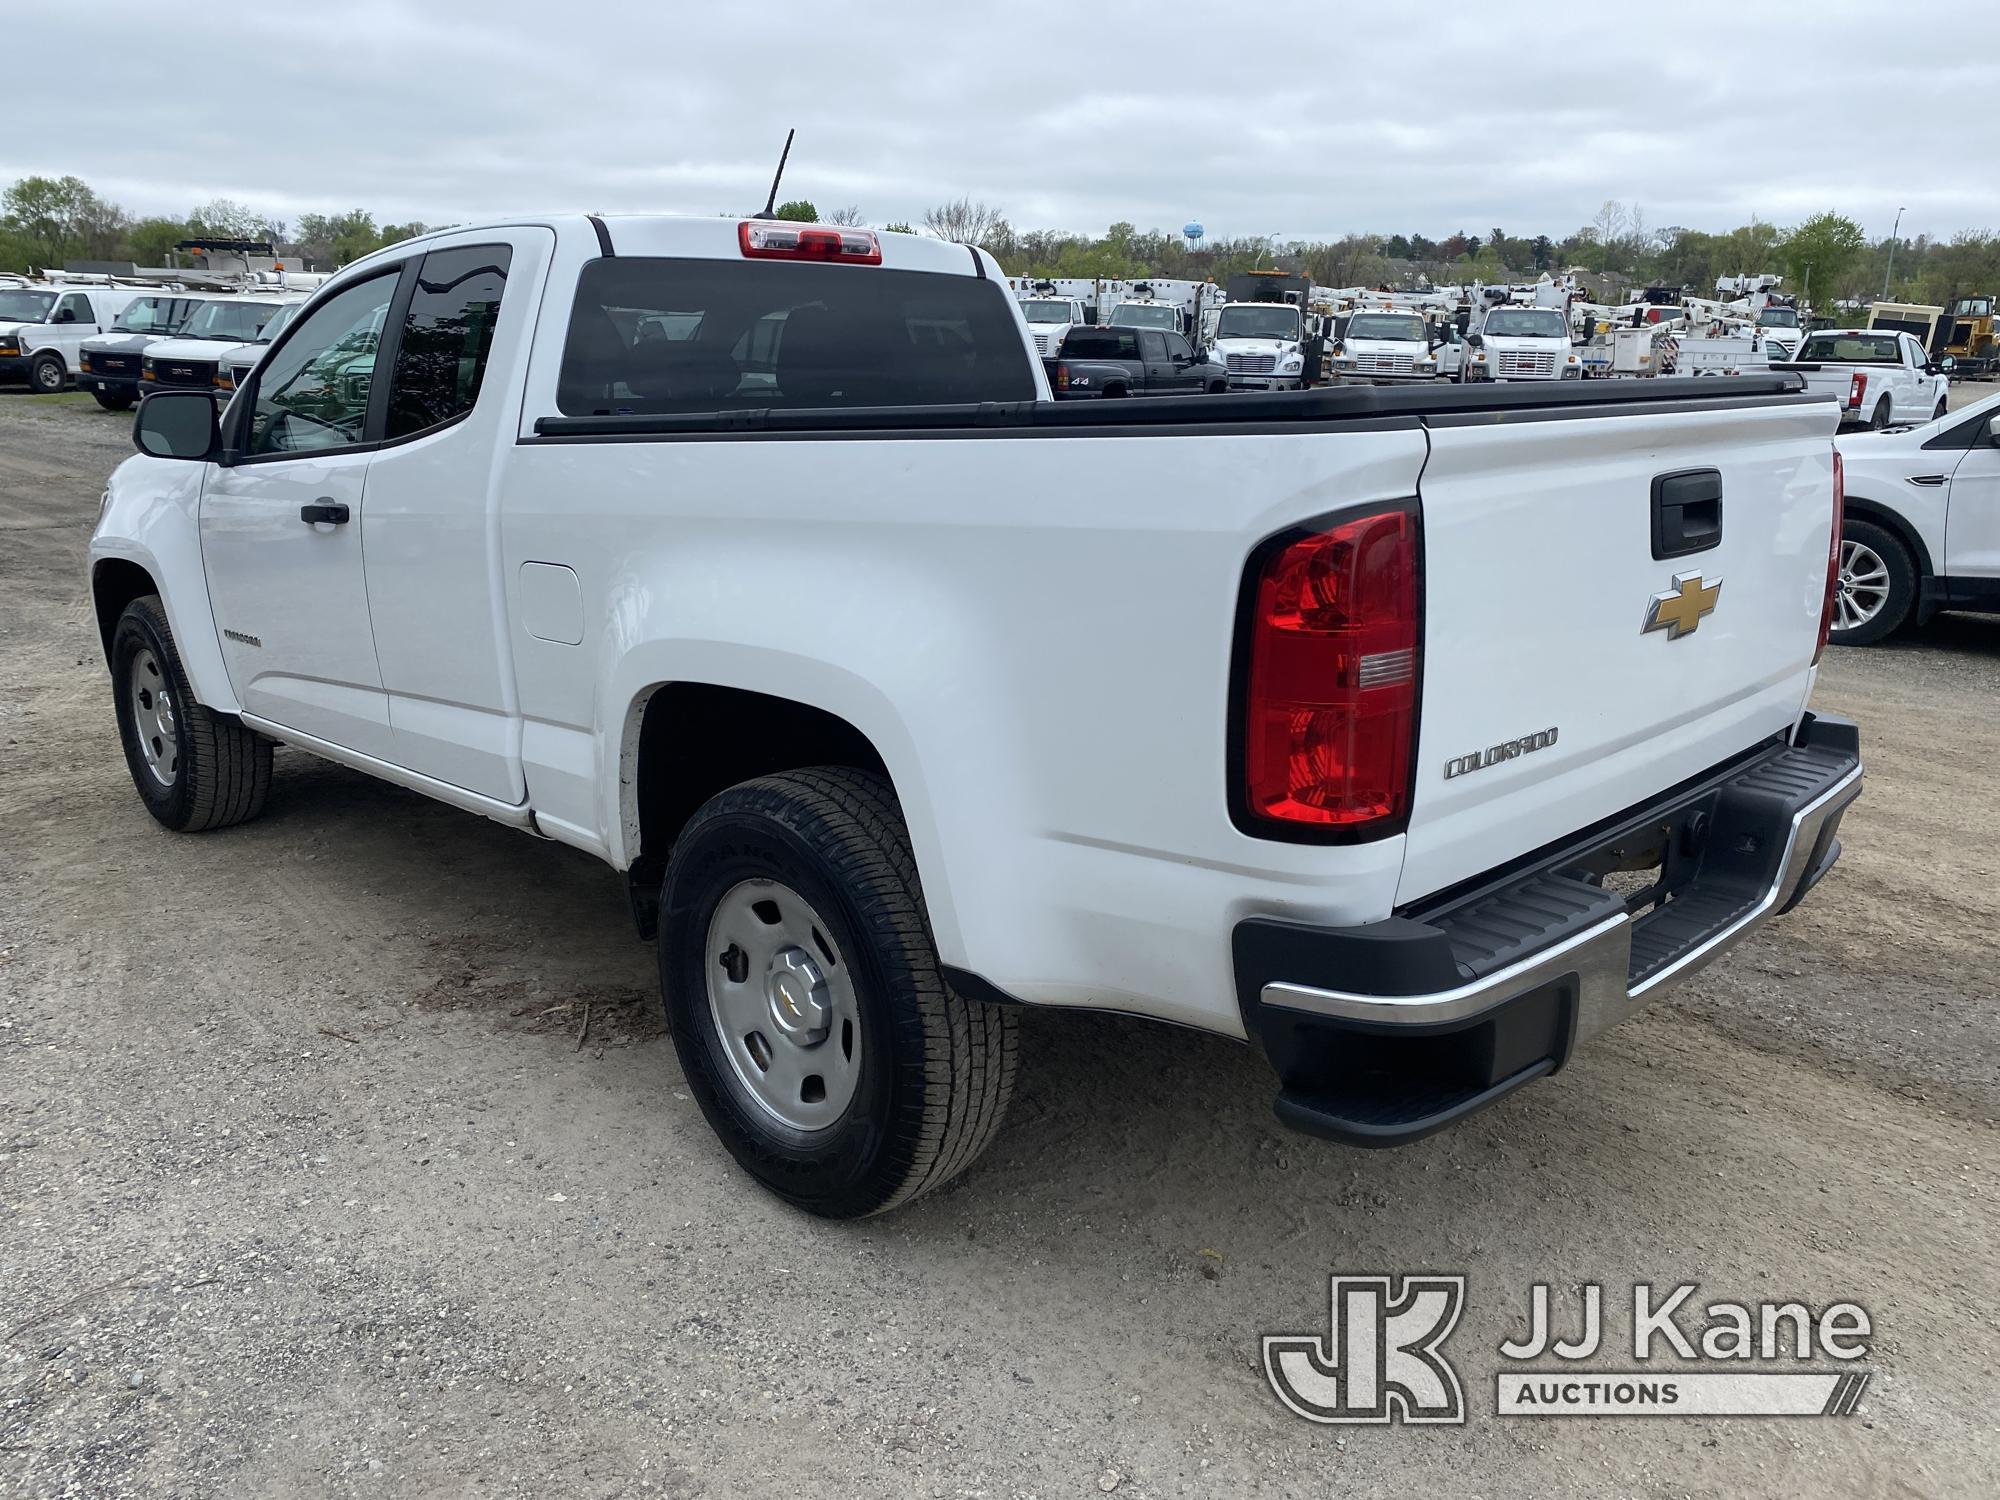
column 1832, row 557
column 1329, row 706
column 763, row 240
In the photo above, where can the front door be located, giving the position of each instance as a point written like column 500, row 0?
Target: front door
column 1972, row 516
column 281, row 528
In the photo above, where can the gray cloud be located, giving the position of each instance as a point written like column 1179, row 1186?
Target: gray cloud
column 1377, row 117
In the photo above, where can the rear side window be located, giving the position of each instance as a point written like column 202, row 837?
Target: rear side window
column 447, row 337
column 658, row 336
column 1101, row 343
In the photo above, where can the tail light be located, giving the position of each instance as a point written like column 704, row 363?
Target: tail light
column 1328, row 716
column 1062, row 377
column 761, row 240
column 1856, row 390
column 1832, row 557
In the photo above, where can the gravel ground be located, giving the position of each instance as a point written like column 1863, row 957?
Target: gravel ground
column 308, row 1186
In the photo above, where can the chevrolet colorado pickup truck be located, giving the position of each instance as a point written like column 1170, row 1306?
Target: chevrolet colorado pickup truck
column 1877, row 377
column 1414, row 736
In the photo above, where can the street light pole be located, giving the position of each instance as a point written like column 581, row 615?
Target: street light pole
column 1889, row 269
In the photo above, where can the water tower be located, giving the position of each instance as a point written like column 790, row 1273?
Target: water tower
column 1192, row 230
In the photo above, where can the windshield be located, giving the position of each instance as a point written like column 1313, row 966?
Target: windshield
column 1850, row 348
column 1385, row 326
column 147, row 315
column 1047, row 312
column 1273, row 320
column 1778, row 317
column 1526, row 323
column 235, row 322
column 1131, row 315
column 278, row 321
column 25, row 307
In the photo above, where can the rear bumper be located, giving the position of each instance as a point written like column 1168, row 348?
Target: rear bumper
column 1386, row 1033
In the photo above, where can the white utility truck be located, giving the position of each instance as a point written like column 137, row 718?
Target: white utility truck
column 1384, row 348
column 1877, row 377
column 1262, row 344
column 754, row 559
column 1519, row 343
column 1049, row 319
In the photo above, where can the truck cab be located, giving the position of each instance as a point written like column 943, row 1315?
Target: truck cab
column 1781, row 328
column 1144, row 312
column 43, row 329
column 1261, row 345
column 1049, row 318
column 1384, row 348
column 1520, row 343
column 108, row 365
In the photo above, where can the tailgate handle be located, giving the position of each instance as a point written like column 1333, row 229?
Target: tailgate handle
column 1687, row 512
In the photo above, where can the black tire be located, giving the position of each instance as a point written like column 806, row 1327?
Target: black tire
column 113, row 400
column 1218, row 388
column 220, row 772
column 1942, row 408
column 935, row 1070
column 1902, row 596
column 47, row 375
column 1114, row 392
column 1880, row 417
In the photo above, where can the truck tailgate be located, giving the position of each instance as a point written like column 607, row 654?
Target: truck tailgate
column 1546, row 704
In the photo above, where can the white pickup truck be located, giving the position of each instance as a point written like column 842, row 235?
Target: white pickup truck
column 1876, row 376
column 1414, row 736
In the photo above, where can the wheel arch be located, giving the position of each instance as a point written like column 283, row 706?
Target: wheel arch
column 1861, row 508
column 684, row 740
column 118, row 577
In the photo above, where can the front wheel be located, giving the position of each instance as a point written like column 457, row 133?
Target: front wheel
column 1875, row 588
column 47, row 376
column 113, row 400
column 813, row 1022
column 195, row 769
column 1942, row 408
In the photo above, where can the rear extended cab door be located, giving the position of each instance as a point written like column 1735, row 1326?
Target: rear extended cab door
column 1544, row 569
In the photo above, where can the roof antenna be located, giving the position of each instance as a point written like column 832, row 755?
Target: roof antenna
column 771, row 203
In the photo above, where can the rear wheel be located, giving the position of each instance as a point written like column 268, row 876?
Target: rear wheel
column 1880, row 418
column 194, row 769
column 113, row 400
column 804, row 994
column 1876, row 586
column 46, row 375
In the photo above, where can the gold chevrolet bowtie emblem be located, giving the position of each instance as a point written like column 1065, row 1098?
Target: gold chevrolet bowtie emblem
column 1678, row 611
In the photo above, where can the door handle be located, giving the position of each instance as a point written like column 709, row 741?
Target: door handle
column 331, row 512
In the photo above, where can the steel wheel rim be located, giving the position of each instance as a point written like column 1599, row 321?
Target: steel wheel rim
column 781, row 998
column 48, row 376
column 1862, row 588
column 153, row 718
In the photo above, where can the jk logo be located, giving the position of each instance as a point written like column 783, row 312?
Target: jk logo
column 1381, row 1362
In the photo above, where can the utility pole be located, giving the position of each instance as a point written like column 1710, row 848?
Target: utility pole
column 1887, row 270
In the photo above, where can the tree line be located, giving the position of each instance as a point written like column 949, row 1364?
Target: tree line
column 46, row 221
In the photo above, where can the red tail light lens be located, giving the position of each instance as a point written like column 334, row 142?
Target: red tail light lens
column 1062, row 377
column 1832, row 557
column 1856, row 391
column 763, row 240
column 1330, row 700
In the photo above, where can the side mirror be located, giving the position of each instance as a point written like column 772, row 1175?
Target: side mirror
column 178, row 424
column 1475, row 339
column 1948, row 364
column 1993, row 430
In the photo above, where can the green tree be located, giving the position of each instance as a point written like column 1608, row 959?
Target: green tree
column 1820, row 256
column 799, row 210
column 225, row 219
column 898, row 227
column 54, row 219
column 150, row 241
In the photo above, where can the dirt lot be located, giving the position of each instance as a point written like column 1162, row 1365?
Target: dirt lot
column 309, row 1188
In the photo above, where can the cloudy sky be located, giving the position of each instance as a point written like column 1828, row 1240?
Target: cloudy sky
column 1377, row 117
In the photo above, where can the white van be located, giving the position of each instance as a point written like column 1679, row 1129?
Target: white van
column 42, row 329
